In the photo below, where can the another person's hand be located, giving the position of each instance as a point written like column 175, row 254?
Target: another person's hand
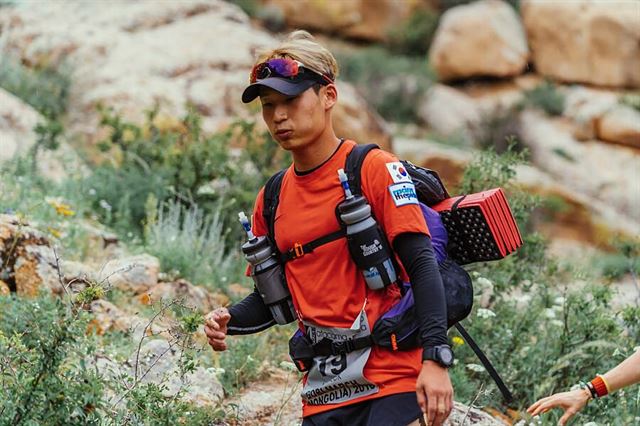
column 434, row 392
column 571, row 402
column 216, row 328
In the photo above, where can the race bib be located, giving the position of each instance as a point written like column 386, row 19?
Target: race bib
column 338, row 378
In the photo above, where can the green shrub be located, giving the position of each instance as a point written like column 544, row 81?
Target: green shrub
column 632, row 100
column 541, row 336
column 45, row 88
column 190, row 245
column 546, row 97
column 414, row 36
column 179, row 163
column 393, row 84
column 44, row 377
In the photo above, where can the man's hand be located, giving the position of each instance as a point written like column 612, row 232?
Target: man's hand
column 216, row 328
column 435, row 393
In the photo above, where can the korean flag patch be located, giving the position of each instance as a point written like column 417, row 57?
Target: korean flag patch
column 403, row 193
column 398, row 172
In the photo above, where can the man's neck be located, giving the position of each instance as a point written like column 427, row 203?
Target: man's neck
column 315, row 153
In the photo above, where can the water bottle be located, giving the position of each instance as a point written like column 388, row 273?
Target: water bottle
column 268, row 274
column 367, row 244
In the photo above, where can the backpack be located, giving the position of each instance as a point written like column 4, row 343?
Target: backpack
column 397, row 329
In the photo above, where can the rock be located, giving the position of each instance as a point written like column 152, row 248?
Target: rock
column 108, row 317
column 448, row 111
column 135, row 274
column 369, row 20
column 591, row 169
column 620, row 125
column 353, row 119
column 29, row 262
column 17, row 121
column 585, row 106
column 484, row 38
column 189, row 294
column 599, row 42
column 576, row 217
column 17, row 124
column 158, row 362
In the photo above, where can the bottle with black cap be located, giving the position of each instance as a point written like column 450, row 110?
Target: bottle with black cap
column 268, row 275
column 367, row 244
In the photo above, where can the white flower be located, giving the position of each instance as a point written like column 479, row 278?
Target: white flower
column 524, row 299
column 92, row 191
column 216, row 371
column 486, row 313
column 475, row 367
column 590, row 424
column 105, row 205
column 557, row 323
column 616, row 353
column 559, row 301
column 484, row 283
column 549, row 313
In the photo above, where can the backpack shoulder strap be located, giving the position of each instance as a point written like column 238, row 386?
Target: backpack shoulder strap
column 271, row 198
column 353, row 165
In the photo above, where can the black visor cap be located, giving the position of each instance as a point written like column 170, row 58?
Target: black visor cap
column 282, row 85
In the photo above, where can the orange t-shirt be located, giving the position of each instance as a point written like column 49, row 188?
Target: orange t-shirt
column 327, row 287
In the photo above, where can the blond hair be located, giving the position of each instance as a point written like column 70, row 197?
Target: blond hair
column 301, row 46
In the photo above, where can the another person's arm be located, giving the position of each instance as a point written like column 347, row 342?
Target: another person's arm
column 624, row 374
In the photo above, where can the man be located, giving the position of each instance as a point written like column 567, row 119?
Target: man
column 368, row 386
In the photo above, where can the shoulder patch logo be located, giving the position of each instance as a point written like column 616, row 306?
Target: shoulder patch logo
column 403, row 194
column 398, row 172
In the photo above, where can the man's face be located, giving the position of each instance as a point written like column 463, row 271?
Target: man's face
column 293, row 121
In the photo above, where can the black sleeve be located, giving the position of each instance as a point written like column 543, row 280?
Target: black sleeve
column 250, row 315
column 417, row 257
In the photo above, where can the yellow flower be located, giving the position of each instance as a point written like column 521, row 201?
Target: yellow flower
column 61, row 208
column 54, row 232
column 457, row 341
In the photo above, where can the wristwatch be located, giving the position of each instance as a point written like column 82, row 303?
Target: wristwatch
column 442, row 354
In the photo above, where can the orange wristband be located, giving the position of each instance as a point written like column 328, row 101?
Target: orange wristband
column 600, row 386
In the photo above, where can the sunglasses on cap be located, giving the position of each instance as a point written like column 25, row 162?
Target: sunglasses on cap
column 286, row 68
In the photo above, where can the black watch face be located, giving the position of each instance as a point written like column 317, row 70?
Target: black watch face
column 446, row 356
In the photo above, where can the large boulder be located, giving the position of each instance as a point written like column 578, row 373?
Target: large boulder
column 586, row 41
column 138, row 54
column 484, row 38
column 369, row 20
column 591, row 169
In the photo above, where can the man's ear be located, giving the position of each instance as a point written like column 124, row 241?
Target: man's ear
column 330, row 96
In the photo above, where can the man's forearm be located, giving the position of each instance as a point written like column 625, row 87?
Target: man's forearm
column 417, row 256
column 250, row 315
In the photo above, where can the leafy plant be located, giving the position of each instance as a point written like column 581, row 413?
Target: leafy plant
column 393, row 84
column 178, row 163
column 547, row 97
column 414, row 36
